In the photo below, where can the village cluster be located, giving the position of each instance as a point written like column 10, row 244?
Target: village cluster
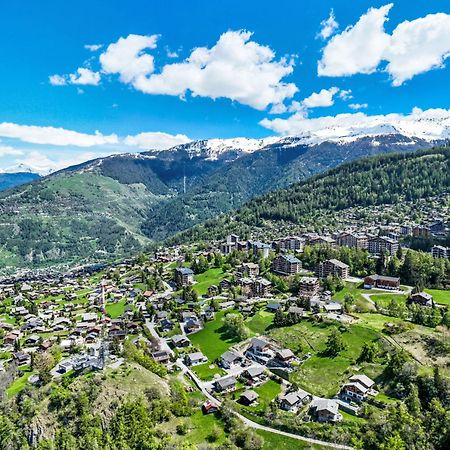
column 87, row 317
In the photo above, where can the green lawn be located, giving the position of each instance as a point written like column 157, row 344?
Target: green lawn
column 19, row 384
column 440, row 296
column 212, row 340
column 323, row 375
column 274, row 441
column 206, row 373
column 350, row 288
column 267, row 392
column 114, row 310
column 384, row 299
column 259, row 323
column 376, row 321
column 208, row 278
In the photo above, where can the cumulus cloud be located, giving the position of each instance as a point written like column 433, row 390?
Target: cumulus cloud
column 323, row 98
column 129, row 57
column 428, row 124
column 93, row 47
column 418, row 46
column 236, row 68
column 328, row 26
column 82, row 76
column 57, row 80
column 54, row 136
column 414, row 47
column 359, row 48
column 156, row 140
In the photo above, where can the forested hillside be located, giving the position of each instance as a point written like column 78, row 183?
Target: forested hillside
column 114, row 207
column 380, row 180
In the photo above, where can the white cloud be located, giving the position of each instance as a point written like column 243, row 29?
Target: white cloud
column 6, row 150
column 156, row 140
column 85, row 77
column 359, row 48
column 345, row 94
column 39, row 162
column 93, row 47
column 57, row 80
column 323, row 98
column 54, row 136
column 429, row 124
column 357, row 106
column 328, row 26
column 414, row 47
column 418, row 46
column 128, row 57
column 82, row 76
column 236, row 68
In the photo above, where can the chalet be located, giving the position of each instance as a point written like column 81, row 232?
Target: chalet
column 285, row 355
column 292, row 401
column 192, row 325
column 32, row 340
column 273, row 307
column 180, row 341
column 22, row 358
column 357, row 389
column 322, row 240
column 296, row 311
column 227, row 305
column 225, row 284
column 209, row 408
column 253, row 375
column 196, row 358
column 381, row 282
column 225, row 384
column 249, row 397
column 230, row 359
column 332, row 267
column 11, row 338
column 208, row 313
column 422, row 298
column 333, row 307
column 439, row 251
column 309, row 287
column 183, row 276
column 286, row 265
column 161, row 357
column 212, row 290
column 325, row 410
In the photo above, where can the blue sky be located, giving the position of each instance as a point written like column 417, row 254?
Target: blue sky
column 48, row 38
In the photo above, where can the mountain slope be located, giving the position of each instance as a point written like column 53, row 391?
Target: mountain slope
column 369, row 182
column 113, row 207
column 275, row 166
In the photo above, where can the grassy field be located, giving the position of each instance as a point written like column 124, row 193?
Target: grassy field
column 206, row 373
column 212, row 339
column 267, row 392
column 376, row 321
column 384, row 299
column 323, row 375
column 19, row 384
column 259, row 323
column 208, row 278
column 114, row 310
column 275, row 441
column 440, row 296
